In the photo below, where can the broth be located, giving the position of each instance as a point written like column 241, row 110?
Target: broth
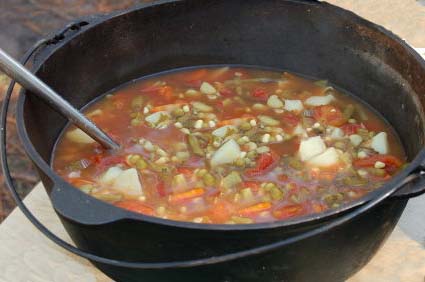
column 230, row 145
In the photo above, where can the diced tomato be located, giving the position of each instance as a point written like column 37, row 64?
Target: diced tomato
column 392, row 163
column 221, row 212
column 255, row 209
column 225, row 92
column 291, row 119
column 254, row 186
column 196, row 75
column 135, row 206
column 151, row 89
column 289, row 211
column 265, row 162
column 185, row 171
column 219, row 106
column 106, row 162
column 318, row 208
column 166, row 92
column 329, row 115
column 351, row 129
column 187, row 195
column 259, row 94
column 160, row 188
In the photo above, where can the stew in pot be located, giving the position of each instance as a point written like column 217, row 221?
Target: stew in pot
column 230, row 146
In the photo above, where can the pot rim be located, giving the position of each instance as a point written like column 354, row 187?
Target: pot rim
column 308, row 219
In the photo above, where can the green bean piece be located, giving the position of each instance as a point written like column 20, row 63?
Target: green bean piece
column 86, row 188
column 378, row 172
column 333, row 200
column 348, row 112
column 137, row 102
column 354, row 181
column 141, row 164
column 208, row 179
column 240, row 163
column 177, row 112
column 296, row 164
column 276, row 193
column 241, row 220
column 231, row 180
column 135, row 122
column 245, row 126
column 195, row 145
column 340, row 145
column 321, row 83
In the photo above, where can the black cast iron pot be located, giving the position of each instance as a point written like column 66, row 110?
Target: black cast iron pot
column 317, row 39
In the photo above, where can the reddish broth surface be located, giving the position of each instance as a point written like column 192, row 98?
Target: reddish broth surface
column 230, row 145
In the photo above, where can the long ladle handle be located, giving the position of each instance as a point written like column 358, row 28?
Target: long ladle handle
column 30, row 82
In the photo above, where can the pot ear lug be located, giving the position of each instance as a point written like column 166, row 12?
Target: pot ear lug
column 415, row 187
column 77, row 206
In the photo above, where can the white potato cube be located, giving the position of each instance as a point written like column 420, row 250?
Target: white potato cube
column 293, row 105
column 207, row 89
column 156, row 117
column 128, row 182
column 222, row 131
column 299, row 130
column 319, row 100
column 337, row 133
column 380, row 143
column 226, row 154
column 79, row 136
column 110, row 175
column 356, row 140
column 274, row 102
column 328, row 158
column 311, row 147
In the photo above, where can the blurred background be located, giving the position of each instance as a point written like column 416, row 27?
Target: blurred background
column 23, row 22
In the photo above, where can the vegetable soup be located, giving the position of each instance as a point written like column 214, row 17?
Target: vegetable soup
column 230, row 145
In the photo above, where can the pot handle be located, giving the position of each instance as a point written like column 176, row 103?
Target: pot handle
column 414, row 188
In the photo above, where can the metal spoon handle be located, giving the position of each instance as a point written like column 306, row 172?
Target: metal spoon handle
column 30, row 82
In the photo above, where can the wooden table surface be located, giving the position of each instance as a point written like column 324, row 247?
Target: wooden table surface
column 27, row 256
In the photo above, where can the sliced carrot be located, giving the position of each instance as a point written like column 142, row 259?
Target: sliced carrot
column 168, row 107
column 187, row 195
column 220, row 212
column 196, row 75
column 319, row 207
column 235, row 121
column 135, row 206
column 289, row 211
column 255, row 209
column 185, row 171
column 78, row 182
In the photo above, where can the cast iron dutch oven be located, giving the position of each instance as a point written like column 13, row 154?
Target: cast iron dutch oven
column 93, row 56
